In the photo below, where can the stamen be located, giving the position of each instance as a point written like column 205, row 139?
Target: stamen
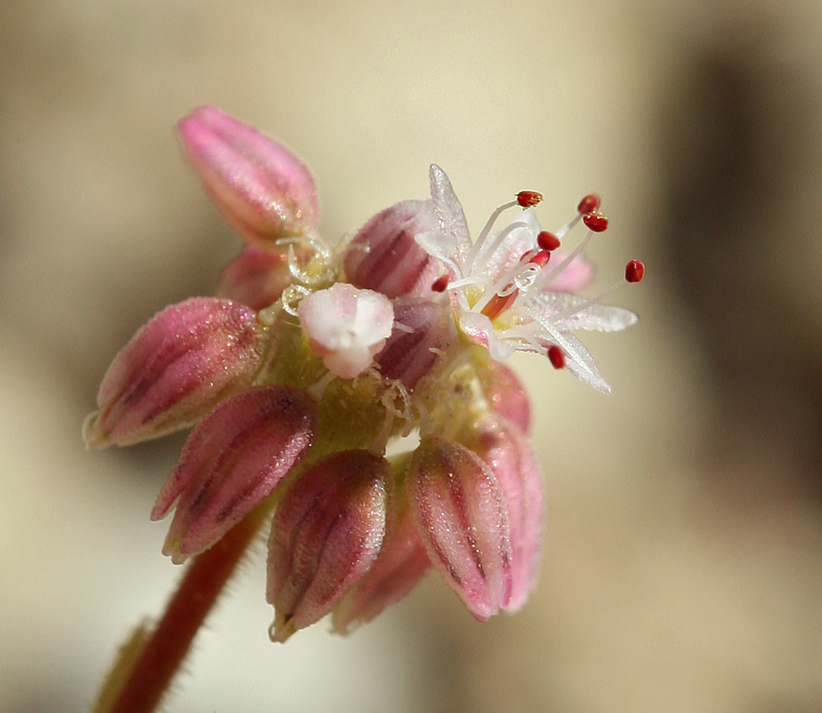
column 528, row 199
column 589, row 204
column 595, row 221
column 548, row 241
column 634, row 271
column 440, row 284
column 556, row 356
column 477, row 246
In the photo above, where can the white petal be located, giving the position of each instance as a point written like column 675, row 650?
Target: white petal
column 594, row 317
column 578, row 359
column 479, row 329
column 444, row 248
column 449, row 211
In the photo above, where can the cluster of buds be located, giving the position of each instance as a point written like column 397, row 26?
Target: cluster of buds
column 315, row 360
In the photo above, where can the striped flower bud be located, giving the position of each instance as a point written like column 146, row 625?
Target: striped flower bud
column 175, row 369
column 262, row 189
column 383, row 256
column 504, row 449
column 462, row 519
column 326, row 534
column 231, row 462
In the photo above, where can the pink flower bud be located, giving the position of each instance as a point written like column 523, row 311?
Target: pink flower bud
column 384, row 256
column 326, row 534
column 401, row 564
column 422, row 332
column 503, row 447
column 231, row 462
column 175, row 369
column 505, row 394
column 261, row 188
column 462, row 519
column 256, row 278
column 346, row 326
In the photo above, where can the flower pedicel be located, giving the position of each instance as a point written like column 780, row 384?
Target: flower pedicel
column 315, row 357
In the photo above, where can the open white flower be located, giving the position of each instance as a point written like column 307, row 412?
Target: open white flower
column 346, row 326
column 509, row 291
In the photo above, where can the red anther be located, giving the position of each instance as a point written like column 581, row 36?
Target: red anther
column 634, row 271
column 528, row 199
column 540, row 258
column 595, row 222
column 589, row 204
column 548, row 241
column 440, row 284
column 556, row 356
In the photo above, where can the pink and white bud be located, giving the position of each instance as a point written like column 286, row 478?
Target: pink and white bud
column 256, row 278
column 231, row 462
column 502, row 446
column 263, row 190
column 505, row 394
column 326, row 534
column 422, row 331
column 462, row 519
column 401, row 564
column 175, row 369
column 383, row 256
column 346, row 326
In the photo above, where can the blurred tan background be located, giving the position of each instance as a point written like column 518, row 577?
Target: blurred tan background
column 682, row 568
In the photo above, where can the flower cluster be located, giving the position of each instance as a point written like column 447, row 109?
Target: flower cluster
column 314, row 359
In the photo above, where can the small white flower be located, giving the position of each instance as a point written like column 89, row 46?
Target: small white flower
column 346, row 326
column 506, row 293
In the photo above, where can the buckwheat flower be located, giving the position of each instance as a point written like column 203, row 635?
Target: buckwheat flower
column 311, row 363
column 505, row 291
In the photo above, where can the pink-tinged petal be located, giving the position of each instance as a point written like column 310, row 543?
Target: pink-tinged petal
column 231, row 462
column 576, row 276
column 401, row 564
column 422, row 332
column 462, row 520
column 503, row 447
column 506, row 395
column 346, row 326
column 256, row 278
column 175, row 369
column 383, row 256
column 261, row 188
column 326, row 534
column 477, row 328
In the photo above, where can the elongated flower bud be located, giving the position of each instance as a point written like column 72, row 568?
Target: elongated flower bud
column 401, row 564
column 326, row 534
column 256, row 278
column 505, row 394
column 261, row 188
column 502, row 446
column 383, row 256
column 462, row 520
column 175, row 369
column 422, row 332
column 231, row 462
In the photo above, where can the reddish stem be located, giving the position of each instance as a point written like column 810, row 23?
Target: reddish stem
column 159, row 660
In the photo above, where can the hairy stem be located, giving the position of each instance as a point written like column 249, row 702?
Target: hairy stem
column 148, row 662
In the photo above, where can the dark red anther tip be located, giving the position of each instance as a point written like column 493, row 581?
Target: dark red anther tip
column 556, row 356
column 595, row 222
column 589, row 204
column 634, row 271
column 440, row 284
column 528, row 199
column 540, row 258
column 548, row 241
